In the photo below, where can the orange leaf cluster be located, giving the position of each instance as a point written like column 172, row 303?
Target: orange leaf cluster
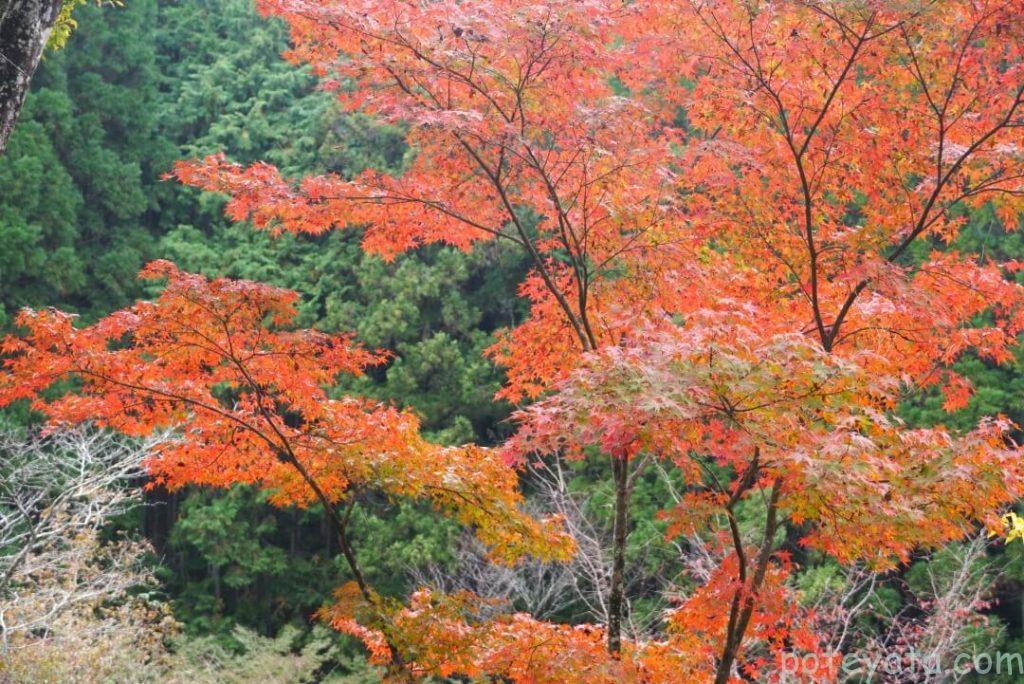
column 219, row 360
column 712, row 393
column 456, row 635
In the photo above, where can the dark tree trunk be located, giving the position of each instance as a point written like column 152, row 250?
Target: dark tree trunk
column 25, row 27
column 158, row 516
column 745, row 598
column 616, row 594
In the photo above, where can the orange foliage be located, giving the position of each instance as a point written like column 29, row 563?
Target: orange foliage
column 738, row 215
column 716, row 392
column 453, row 635
column 447, row 635
column 218, row 359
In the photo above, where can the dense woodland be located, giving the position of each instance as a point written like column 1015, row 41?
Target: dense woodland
column 227, row 583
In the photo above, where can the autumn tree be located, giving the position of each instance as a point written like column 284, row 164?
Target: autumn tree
column 216, row 358
column 846, row 144
column 578, row 177
column 552, row 126
column 737, row 216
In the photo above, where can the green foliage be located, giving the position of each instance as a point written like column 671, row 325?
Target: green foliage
column 228, row 559
column 234, row 559
column 75, row 186
column 39, row 259
column 226, row 87
column 393, row 539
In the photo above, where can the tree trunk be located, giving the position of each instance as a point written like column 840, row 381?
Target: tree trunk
column 25, row 27
column 616, row 594
column 159, row 513
column 744, row 600
column 215, row 574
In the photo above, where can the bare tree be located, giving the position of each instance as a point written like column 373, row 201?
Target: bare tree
column 541, row 589
column 56, row 493
column 925, row 632
column 580, row 587
column 74, row 612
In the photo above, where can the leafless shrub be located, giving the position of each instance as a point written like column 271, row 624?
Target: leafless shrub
column 579, row 587
column 928, row 628
column 57, row 492
column 70, row 615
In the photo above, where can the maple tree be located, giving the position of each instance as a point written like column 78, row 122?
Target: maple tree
column 840, row 138
column 217, row 359
column 738, row 217
column 501, row 142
